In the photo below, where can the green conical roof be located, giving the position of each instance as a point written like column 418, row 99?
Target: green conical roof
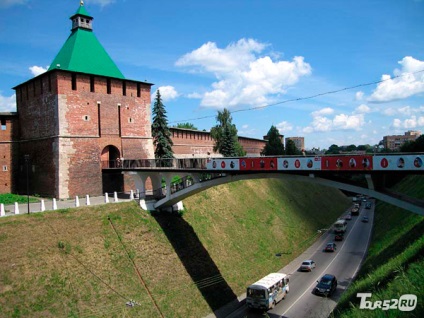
column 83, row 53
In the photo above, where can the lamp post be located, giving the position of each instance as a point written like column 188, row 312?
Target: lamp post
column 27, row 178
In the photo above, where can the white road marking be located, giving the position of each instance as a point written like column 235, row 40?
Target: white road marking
column 322, row 273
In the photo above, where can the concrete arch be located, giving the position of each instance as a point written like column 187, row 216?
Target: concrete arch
column 197, row 187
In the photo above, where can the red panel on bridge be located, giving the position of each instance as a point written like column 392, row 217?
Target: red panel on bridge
column 347, row 163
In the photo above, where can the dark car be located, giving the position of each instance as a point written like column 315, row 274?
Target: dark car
column 331, row 247
column 365, row 219
column 339, row 237
column 368, row 205
column 326, row 285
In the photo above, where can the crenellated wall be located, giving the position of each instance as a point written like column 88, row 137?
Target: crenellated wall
column 190, row 143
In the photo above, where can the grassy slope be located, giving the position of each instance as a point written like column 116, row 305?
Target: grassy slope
column 395, row 262
column 79, row 262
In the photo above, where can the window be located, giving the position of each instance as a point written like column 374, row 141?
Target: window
column 4, row 168
column 138, row 90
column 74, row 82
column 3, row 124
column 92, row 87
column 130, row 120
column 86, row 118
column 109, row 86
column 124, row 88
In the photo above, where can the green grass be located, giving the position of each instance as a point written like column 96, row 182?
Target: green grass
column 89, row 261
column 8, row 198
column 394, row 265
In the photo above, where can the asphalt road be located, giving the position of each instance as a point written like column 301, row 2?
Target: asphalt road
column 343, row 263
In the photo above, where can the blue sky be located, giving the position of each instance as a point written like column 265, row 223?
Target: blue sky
column 261, row 59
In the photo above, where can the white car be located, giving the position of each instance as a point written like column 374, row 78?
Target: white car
column 307, row 265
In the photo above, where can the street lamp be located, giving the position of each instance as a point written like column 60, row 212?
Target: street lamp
column 26, row 157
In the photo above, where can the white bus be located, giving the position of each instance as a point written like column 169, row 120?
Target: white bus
column 268, row 291
column 340, row 226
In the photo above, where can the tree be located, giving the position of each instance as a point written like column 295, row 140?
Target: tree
column 160, row 132
column 413, row 146
column 291, row 148
column 274, row 146
column 350, row 148
column 333, row 150
column 186, row 126
column 225, row 136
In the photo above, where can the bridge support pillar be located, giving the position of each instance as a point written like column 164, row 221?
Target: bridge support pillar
column 369, row 181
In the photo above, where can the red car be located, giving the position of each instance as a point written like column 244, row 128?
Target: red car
column 339, row 237
column 331, row 247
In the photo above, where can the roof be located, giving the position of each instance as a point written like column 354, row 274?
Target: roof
column 269, row 280
column 81, row 11
column 8, row 114
column 83, row 53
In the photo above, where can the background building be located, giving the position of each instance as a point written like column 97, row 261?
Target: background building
column 299, row 142
column 394, row 142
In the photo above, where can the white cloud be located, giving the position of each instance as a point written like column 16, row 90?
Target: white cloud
column 284, row 126
column 322, row 112
column 403, row 111
column 37, row 70
column 102, row 3
column 8, row 104
column 167, row 93
column 322, row 122
column 359, row 95
column 9, row 3
column 409, row 123
column 362, row 109
column 407, row 84
column 243, row 77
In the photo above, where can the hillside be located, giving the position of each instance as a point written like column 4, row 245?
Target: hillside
column 395, row 262
column 90, row 261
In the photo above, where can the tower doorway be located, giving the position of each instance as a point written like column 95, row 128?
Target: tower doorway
column 112, row 181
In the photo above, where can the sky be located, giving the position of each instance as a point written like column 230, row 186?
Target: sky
column 333, row 72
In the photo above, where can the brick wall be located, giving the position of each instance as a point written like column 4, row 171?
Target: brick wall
column 9, row 128
column 194, row 143
column 71, row 121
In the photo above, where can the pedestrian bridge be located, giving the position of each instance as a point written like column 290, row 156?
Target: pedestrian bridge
column 173, row 180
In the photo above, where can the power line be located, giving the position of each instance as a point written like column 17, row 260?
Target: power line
column 303, row 98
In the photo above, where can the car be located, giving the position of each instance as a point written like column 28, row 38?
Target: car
column 354, row 211
column 368, row 205
column 330, row 247
column 307, row 265
column 339, row 237
column 326, row 285
column 348, row 217
column 365, row 219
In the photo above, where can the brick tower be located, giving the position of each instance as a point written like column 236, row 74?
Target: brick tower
column 82, row 111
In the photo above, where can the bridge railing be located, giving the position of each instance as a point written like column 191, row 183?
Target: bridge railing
column 180, row 184
column 174, row 163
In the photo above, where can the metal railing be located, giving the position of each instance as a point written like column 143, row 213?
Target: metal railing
column 174, row 163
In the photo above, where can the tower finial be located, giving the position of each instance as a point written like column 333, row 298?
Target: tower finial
column 81, row 3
